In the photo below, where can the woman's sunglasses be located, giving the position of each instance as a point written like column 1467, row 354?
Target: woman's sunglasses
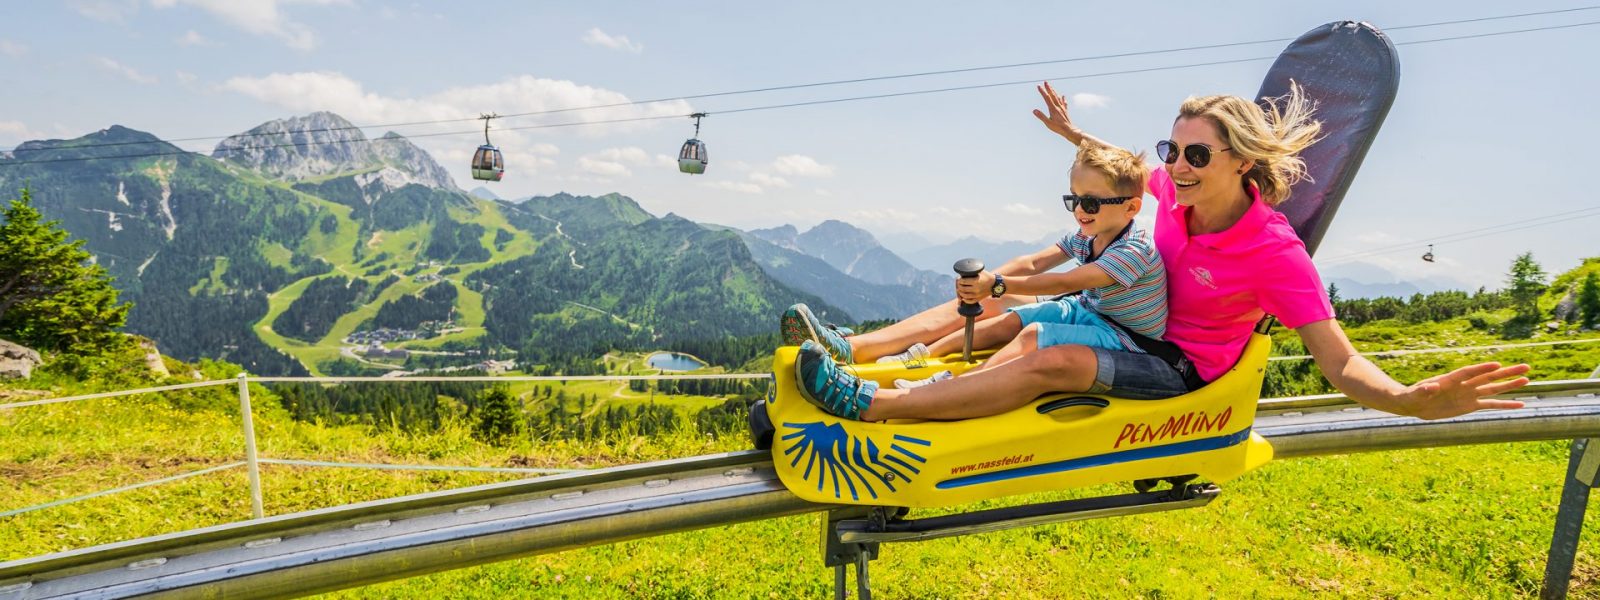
column 1198, row 155
column 1090, row 204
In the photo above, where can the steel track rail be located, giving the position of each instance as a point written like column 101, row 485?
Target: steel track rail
column 366, row 543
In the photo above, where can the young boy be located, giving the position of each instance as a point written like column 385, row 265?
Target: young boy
column 1121, row 279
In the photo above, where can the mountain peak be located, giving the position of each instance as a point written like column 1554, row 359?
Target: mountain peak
column 127, row 141
column 324, row 143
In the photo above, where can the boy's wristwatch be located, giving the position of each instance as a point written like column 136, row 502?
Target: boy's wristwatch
column 999, row 288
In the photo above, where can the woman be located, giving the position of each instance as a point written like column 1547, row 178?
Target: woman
column 1230, row 258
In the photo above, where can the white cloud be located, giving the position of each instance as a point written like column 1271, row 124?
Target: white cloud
column 1088, row 100
column 192, row 38
column 323, row 90
column 125, row 71
column 18, row 131
column 822, row 192
column 185, row 77
column 1018, row 208
column 799, row 165
column 595, row 37
column 106, row 10
column 13, row 49
column 614, row 162
column 603, row 168
column 737, row 186
column 260, row 17
column 768, row 180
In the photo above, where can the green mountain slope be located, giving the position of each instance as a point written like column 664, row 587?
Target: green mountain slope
column 278, row 275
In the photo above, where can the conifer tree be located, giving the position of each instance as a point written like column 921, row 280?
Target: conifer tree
column 52, row 296
column 1525, row 283
column 497, row 418
column 1589, row 300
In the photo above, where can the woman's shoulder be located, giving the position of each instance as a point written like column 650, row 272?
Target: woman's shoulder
column 1279, row 242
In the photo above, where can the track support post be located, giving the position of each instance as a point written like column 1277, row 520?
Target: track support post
column 840, row 555
column 1582, row 468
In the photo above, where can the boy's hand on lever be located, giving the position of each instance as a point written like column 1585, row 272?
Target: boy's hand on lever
column 1057, row 120
column 974, row 289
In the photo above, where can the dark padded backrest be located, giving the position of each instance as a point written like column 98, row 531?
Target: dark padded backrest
column 1352, row 72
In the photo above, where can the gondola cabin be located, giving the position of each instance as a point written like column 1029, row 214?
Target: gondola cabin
column 692, row 158
column 487, row 164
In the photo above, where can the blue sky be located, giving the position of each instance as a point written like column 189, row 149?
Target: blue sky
column 1485, row 133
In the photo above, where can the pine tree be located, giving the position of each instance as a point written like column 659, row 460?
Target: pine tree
column 1589, row 300
column 1525, row 283
column 1333, row 294
column 52, row 297
column 497, row 419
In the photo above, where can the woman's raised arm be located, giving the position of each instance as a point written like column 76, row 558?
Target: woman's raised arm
column 1458, row 392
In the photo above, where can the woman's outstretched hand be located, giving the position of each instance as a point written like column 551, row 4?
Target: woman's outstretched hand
column 1057, row 120
column 1465, row 390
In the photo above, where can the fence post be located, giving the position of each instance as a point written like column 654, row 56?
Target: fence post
column 250, row 446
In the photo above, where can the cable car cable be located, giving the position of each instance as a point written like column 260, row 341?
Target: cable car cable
column 1467, row 235
column 876, row 78
column 792, row 104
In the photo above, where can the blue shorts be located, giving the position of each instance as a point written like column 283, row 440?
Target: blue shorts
column 1062, row 322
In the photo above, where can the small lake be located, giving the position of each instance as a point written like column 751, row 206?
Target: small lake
column 673, row 361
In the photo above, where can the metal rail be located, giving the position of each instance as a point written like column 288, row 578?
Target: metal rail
column 366, row 543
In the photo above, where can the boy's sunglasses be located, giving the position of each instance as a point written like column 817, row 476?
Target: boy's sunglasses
column 1199, row 155
column 1090, row 204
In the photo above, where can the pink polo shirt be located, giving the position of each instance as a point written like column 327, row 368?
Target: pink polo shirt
column 1220, row 284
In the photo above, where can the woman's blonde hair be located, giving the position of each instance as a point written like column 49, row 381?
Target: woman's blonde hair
column 1124, row 170
column 1271, row 139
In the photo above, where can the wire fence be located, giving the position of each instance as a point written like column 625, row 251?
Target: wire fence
column 252, row 461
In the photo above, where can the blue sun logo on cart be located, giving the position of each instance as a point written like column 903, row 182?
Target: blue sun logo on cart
column 853, row 464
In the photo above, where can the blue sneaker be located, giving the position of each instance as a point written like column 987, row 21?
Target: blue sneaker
column 831, row 388
column 799, row 324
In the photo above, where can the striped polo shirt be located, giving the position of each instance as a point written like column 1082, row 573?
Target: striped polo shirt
column 1137, row 298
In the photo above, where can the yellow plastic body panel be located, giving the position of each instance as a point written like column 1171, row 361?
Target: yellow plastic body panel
column 823, row 458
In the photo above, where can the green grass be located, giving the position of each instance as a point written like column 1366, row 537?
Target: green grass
column 1455, row 522
column 1458, row 522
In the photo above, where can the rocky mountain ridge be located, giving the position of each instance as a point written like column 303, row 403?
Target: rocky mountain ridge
column 322, row 144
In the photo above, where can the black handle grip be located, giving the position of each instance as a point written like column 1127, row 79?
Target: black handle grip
column 1055, row 405
column 969, row 267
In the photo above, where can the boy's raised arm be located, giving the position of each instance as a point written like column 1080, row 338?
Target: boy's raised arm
column 1058, row 121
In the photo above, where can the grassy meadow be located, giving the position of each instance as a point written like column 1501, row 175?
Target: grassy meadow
column 1467, row 522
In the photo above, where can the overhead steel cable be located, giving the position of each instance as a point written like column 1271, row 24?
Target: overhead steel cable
column 1470, row 234
column 1031, row 80
column 866, row 79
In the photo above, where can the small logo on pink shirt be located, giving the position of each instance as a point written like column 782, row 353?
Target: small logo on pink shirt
column 1203, row 277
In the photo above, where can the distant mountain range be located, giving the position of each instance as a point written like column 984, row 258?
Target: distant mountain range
column 301, row 232
column 1366, row 280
